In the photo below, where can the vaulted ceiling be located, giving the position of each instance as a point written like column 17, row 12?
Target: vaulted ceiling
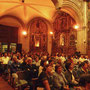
column 18, row 13
column 25, row 11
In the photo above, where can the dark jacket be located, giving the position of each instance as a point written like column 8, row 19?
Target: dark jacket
column 68, row 76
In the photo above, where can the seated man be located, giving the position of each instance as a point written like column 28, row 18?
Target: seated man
column 44, row 79
column 59, row 81
column 69, row 75
column 83, row 69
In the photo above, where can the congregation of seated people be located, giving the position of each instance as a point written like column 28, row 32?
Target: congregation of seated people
column 46, row 72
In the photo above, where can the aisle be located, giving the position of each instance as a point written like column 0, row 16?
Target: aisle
column 4, row 85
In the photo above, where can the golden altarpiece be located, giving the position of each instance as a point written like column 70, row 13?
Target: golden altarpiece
column 38, row 35
column 65, row 36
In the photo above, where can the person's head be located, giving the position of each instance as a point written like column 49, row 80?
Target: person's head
column 37, row 59
column 26, row 56
column 86, row 56
column 56, row 54
column 51, row 62
column 84, row 65
column 9, row 54
column 58, row 69
column 81, row 56
column 76, row 56
column 85, row 81
column 44, row 63
column 29, row 60
column 63, row 55
column 59, row 61
column 48, row 69
column 5, row 54
column 15, row 59
column 69, row 65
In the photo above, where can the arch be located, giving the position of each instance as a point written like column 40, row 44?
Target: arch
column 20, row 22
column 73, row 10
column 46, row 21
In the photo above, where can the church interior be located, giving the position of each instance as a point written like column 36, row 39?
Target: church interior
column 44, row 31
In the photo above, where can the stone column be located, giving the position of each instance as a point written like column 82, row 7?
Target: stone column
column 82, row 33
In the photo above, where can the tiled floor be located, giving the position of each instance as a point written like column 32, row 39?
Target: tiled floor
column 4, row 85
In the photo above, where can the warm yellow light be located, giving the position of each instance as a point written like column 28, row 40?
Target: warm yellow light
column 24, row 33
column 76, row 27
column 37, row 44
column 51, row 33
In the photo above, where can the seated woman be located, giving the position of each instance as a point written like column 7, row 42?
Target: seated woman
column 69, row 75
column 59, row 81
column 45, row 78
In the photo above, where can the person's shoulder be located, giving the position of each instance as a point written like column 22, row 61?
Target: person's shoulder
column 67, row 72
column 43, row 73
column 54, row 74
column 43, row 76
column 33, row 65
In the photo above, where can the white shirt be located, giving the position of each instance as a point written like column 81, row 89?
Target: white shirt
column 5, row 60
column 81, row 59
column 62, row 59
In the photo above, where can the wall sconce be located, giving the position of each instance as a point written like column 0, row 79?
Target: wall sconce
column 76, row 27
column 24, row 34
column 51, row 33
column 84, row 41
column 75, row 41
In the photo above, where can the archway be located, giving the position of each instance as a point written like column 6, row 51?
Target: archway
column 11, row 33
